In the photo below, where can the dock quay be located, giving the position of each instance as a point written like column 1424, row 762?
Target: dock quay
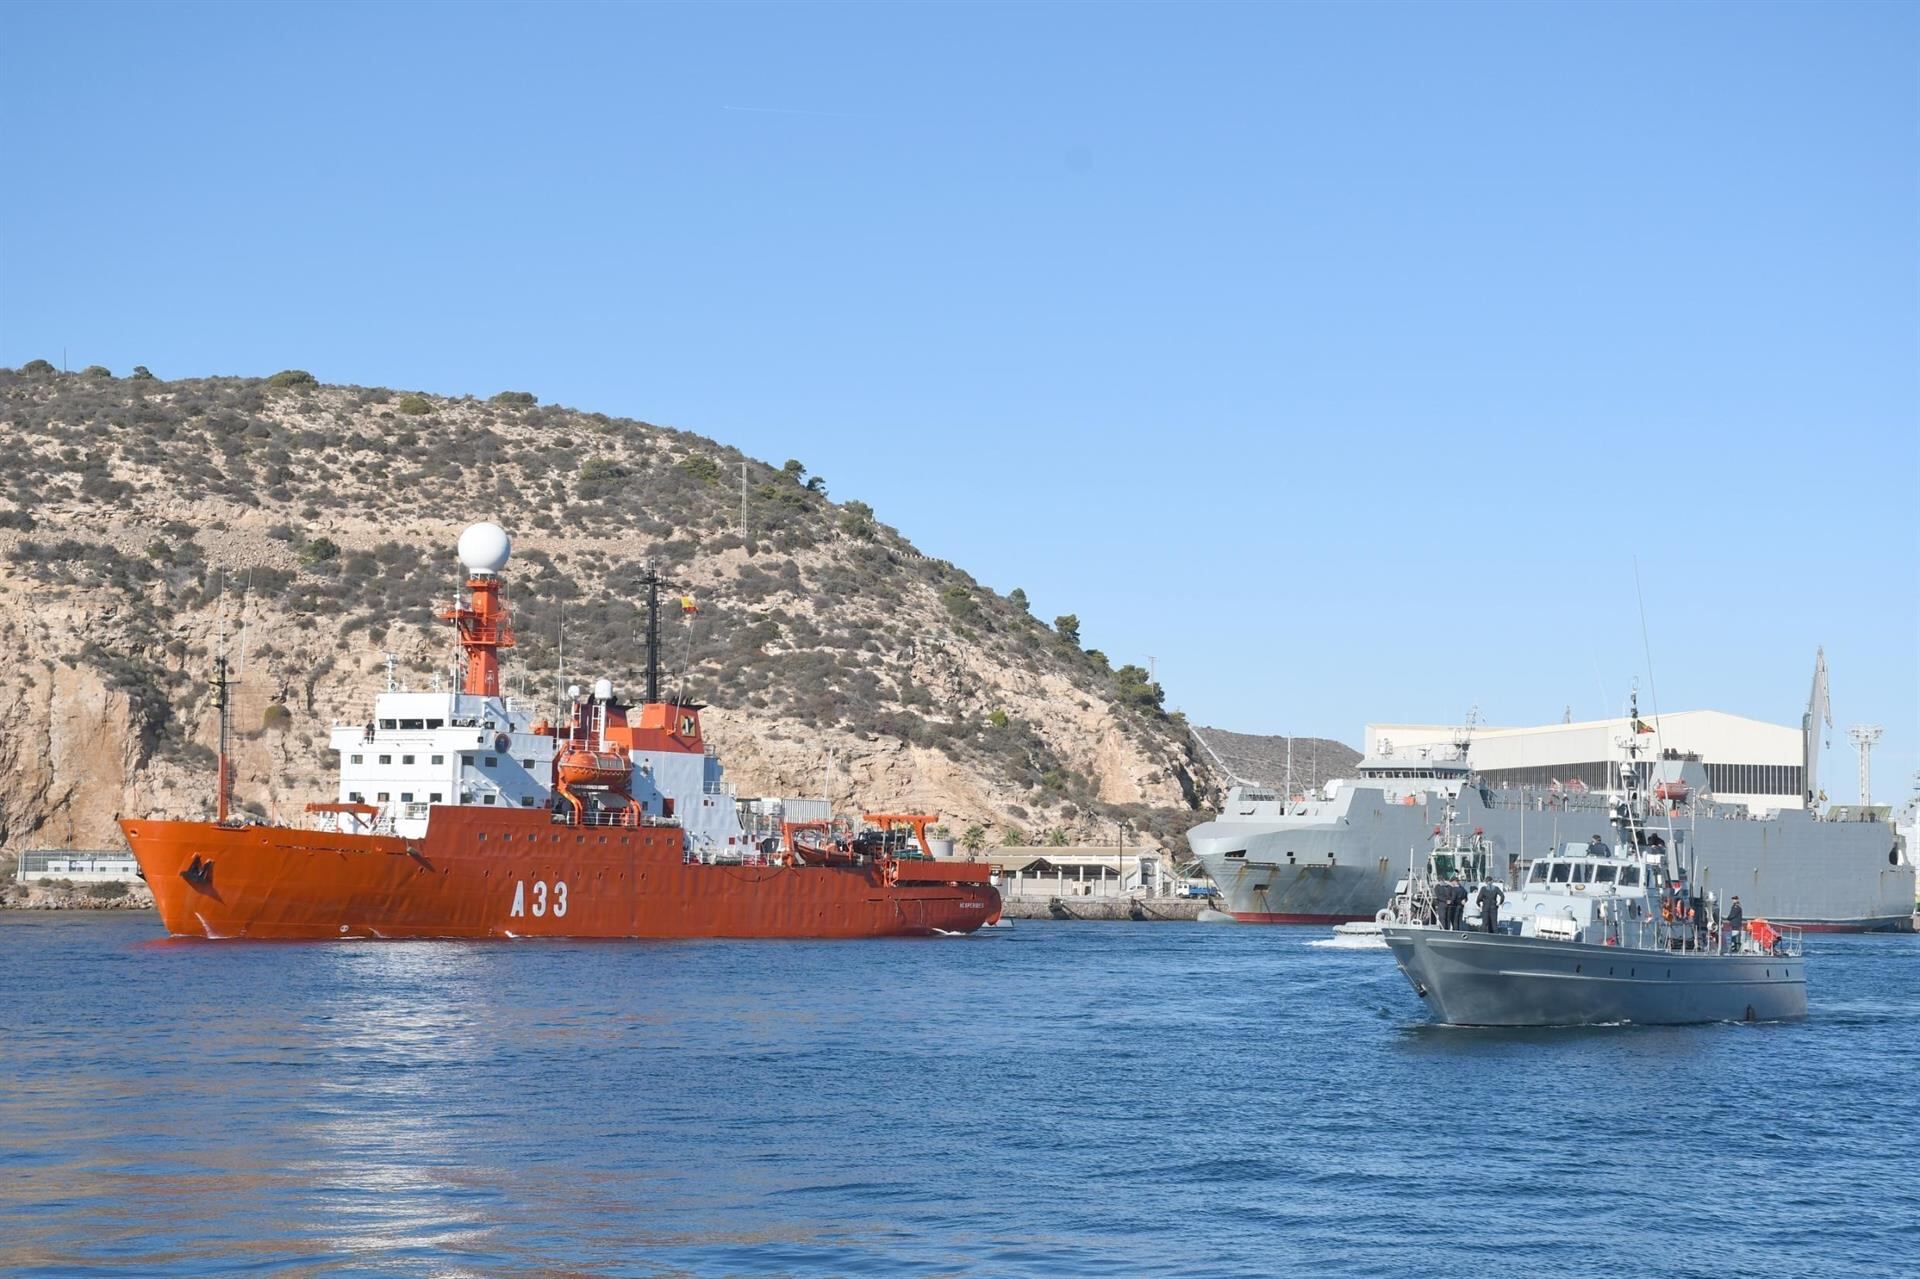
column 1134, row 909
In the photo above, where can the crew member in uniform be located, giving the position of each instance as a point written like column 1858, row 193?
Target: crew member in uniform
column 1491, row 895
column 1736, row 921
column 1459, row 903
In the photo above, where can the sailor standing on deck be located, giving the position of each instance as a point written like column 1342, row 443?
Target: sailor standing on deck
column 1491, row 895
column 1736, row 921
column 1596, row 847
column 1456, row 903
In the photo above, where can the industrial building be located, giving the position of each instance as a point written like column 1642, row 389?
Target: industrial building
column 1748, row 761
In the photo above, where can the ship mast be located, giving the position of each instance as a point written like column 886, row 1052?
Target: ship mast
column 223, row 789
column 652, row 583
column 482, row 624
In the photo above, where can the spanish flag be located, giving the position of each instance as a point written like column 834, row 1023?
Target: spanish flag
column 1641, row 726
column 687, row 607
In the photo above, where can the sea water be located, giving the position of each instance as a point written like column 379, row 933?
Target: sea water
column 1058, row 1099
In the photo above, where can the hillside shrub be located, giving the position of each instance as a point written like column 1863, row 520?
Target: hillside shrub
column 319, row 550
column 515, row 399
column 96, row 371
column 293, row 377
column 414, row 405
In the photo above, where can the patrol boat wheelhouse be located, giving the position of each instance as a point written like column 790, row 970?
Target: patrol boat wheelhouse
column 1602, row 935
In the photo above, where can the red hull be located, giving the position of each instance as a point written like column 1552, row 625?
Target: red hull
column 481, row 873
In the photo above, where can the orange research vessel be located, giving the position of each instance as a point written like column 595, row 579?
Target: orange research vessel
column 459, row 815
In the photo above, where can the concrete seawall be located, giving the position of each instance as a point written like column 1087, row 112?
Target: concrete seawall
column 1142, row 909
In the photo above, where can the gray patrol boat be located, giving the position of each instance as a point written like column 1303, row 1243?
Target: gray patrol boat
column 1596, row 935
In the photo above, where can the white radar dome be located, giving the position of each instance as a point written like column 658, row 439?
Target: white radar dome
column 603, row 689
column 484, row 548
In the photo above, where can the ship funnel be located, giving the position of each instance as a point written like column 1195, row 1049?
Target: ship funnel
column 484, row 548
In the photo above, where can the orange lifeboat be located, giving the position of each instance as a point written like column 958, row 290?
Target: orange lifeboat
column 1675, row 792
column 581, row 767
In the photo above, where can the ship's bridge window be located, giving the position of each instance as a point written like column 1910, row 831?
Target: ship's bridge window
column 359, row 759
column 436, row 723
column 1630, row 876
column 386, row 723
column 1580, row 872
column 493, row 761
column 383, row 797
column 406, row 759
column 526, row 763
column 414, row 724
column 526, row 801
column 439, row 759
column 406, row 797
column 1559, row 873
column 1603, row 873
column 434, row 798
column 1539, row 873
column 386, row 759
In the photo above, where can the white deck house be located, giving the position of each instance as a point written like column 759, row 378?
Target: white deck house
column 422, row 749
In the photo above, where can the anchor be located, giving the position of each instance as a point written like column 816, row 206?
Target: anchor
column 199, row 873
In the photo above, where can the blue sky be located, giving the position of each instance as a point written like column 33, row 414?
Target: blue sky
column 1342, row 358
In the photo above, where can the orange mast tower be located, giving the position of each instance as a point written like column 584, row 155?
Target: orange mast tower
column 483, row 624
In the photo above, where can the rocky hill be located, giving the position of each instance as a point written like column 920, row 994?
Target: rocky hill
column 1263, row 760
column 318, row 521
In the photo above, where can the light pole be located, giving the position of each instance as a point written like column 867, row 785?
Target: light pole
column 1120, row 862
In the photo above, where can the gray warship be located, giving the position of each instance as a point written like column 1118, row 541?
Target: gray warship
column 1331, row 854
column 1596, row 935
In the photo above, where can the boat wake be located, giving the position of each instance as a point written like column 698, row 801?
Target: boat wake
column 1370, row 942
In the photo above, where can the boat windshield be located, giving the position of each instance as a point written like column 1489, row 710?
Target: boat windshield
column 1580, row 872
column 1539, row 875
column 1630, row 876
column 1603, row 874
column 1559, row 875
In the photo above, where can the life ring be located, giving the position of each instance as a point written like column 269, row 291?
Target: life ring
column 1383, row 916
column 501, row 742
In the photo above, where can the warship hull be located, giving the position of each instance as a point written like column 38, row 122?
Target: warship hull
column 1340, row 863
column 1495, row 979
column 484, row 873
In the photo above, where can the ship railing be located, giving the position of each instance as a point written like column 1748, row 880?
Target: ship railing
column 1788, row 940
column 599, row 819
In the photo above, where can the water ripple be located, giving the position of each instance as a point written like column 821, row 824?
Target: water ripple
column 1077, row 1099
